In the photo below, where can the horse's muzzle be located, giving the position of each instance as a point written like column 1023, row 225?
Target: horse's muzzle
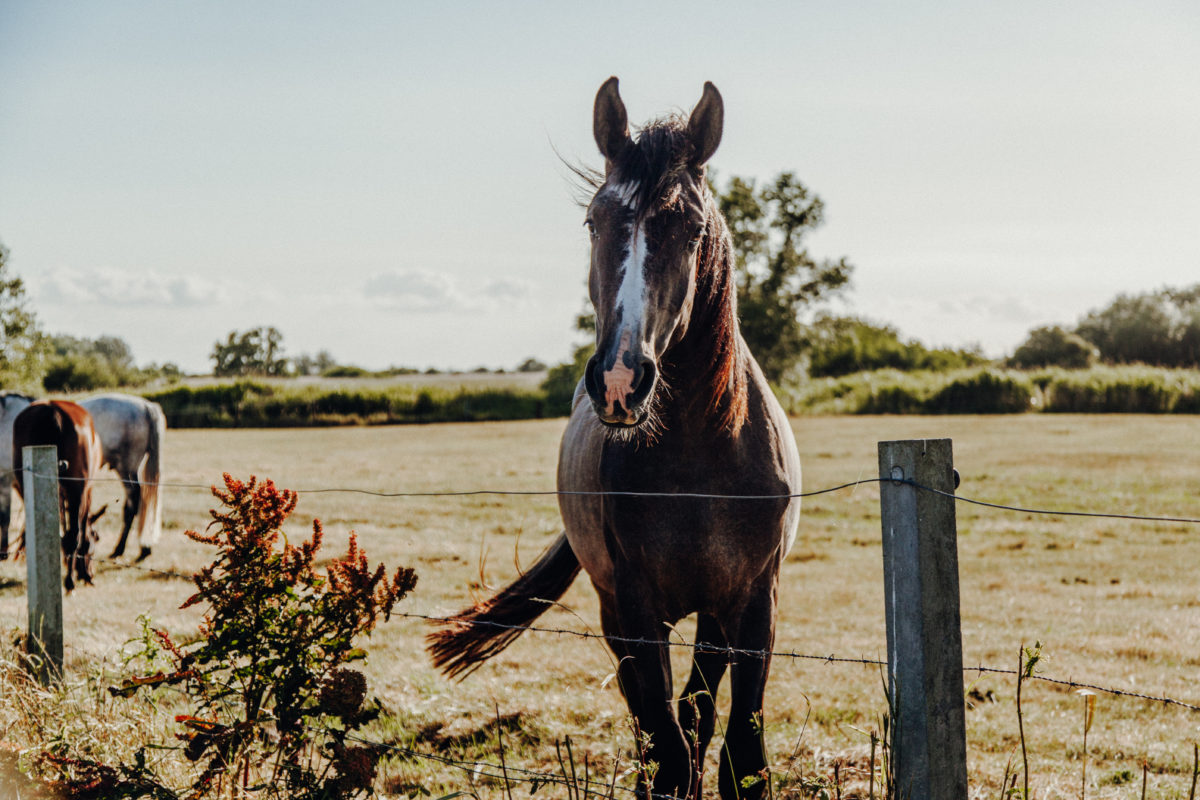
column 619, row 392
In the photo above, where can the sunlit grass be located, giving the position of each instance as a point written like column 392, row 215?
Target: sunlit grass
column 1112, row 601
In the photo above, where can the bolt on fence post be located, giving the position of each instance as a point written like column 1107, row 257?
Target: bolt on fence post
column 43, row 547
column 924, row 634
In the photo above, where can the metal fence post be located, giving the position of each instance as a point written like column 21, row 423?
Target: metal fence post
column 43, row 556
column 924, row 634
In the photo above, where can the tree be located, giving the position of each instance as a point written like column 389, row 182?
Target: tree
column 305, row 364
column 844, row 345
column 1054, row 346
column 258, row 351
column 78, row 364
column 22, row 346
column 1160, row 328
column 778, row 280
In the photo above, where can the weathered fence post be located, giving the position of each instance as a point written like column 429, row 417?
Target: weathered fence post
column 43, row 554
column 924, row 635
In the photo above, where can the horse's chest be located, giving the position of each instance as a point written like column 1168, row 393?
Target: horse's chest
column 697, row 538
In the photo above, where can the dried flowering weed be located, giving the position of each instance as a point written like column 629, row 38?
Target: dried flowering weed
column 274, row 700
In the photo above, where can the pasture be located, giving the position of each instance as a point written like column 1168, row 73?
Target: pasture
column 1113, row 602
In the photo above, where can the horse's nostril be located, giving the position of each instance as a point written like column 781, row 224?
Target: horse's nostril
column 592, row 380
column 645, row 373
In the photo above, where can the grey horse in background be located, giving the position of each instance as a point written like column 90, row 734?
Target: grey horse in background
column 11, row 404
column 132, row 430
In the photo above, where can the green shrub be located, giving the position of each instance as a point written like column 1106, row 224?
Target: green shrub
column 1138, row 390
column 561, row 380
column 895, row 399
column 1052, row 346
column 844, row 345
column 247, row 404
column 345, row 371
column 985, row 392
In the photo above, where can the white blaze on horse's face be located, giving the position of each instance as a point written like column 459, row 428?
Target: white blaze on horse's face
column 619, row 297
column 641, row 285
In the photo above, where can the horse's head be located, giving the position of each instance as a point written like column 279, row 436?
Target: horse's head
column 647, row 221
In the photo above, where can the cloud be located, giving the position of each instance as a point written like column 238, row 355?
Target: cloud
column 113, row 287
column 1002, row 308
column 423, row 291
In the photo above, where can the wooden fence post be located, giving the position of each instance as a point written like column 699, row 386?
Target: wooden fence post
column 43, row 555
column 924, row 635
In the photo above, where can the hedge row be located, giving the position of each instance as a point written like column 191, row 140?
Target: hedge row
column 1123, row 390
column 1134, row 390
column 248, row 404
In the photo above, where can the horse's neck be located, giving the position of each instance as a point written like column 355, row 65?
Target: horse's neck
column 709, row 364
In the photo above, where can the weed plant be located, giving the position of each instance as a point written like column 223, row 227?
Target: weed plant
column 274, row 704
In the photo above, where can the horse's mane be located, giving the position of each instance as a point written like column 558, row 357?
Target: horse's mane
column 654, row 161
column 715, row 311
column 662, row 152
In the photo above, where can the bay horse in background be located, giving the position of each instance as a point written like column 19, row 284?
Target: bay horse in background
column 68, row 427
column 11, row 404
column 132, row 431
column 672, row 403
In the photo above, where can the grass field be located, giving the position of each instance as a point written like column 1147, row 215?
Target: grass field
column 1113, row 602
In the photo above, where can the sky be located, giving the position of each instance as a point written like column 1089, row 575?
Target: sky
column 384, row 180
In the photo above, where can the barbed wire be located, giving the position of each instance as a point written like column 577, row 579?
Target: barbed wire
column 690, row 495
column 701, row 647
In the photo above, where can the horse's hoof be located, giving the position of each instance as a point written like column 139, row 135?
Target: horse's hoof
column 120, row 551
column 143, row 555
column 3, row 555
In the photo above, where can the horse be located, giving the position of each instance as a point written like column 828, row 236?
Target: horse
column 678, row 472
column 68, row 427
column 11, row 404
column 132, row 431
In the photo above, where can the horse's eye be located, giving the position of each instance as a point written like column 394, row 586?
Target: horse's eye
column 591, row 226
column 697, row 235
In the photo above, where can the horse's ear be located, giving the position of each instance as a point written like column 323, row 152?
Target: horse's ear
column 610, row 124
column 705, row 124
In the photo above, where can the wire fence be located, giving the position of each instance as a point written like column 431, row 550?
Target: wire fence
column 476, row 769
column 830, row 658
column 681, row 495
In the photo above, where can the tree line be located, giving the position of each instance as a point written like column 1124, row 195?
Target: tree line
column 782, row 306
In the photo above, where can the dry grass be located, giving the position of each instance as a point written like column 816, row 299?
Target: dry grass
column 1113, row 602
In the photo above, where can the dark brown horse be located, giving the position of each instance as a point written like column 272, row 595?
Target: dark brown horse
column 68, row 427
column 672, row 403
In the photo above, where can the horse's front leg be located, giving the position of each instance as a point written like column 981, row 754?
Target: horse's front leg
column 70, row 542
column 697, row 704
column 5, row 516
column 744, row 758
column 644, row 671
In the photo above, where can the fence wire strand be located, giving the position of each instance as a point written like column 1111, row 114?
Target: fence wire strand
column 686, row 495
column 708, row 648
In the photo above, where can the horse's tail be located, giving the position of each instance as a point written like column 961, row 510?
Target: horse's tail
column 472, row 636
column 149, row 516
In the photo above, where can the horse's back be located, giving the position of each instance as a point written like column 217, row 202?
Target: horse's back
column 65, row 425
column 11, row 405
column 124, row 424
